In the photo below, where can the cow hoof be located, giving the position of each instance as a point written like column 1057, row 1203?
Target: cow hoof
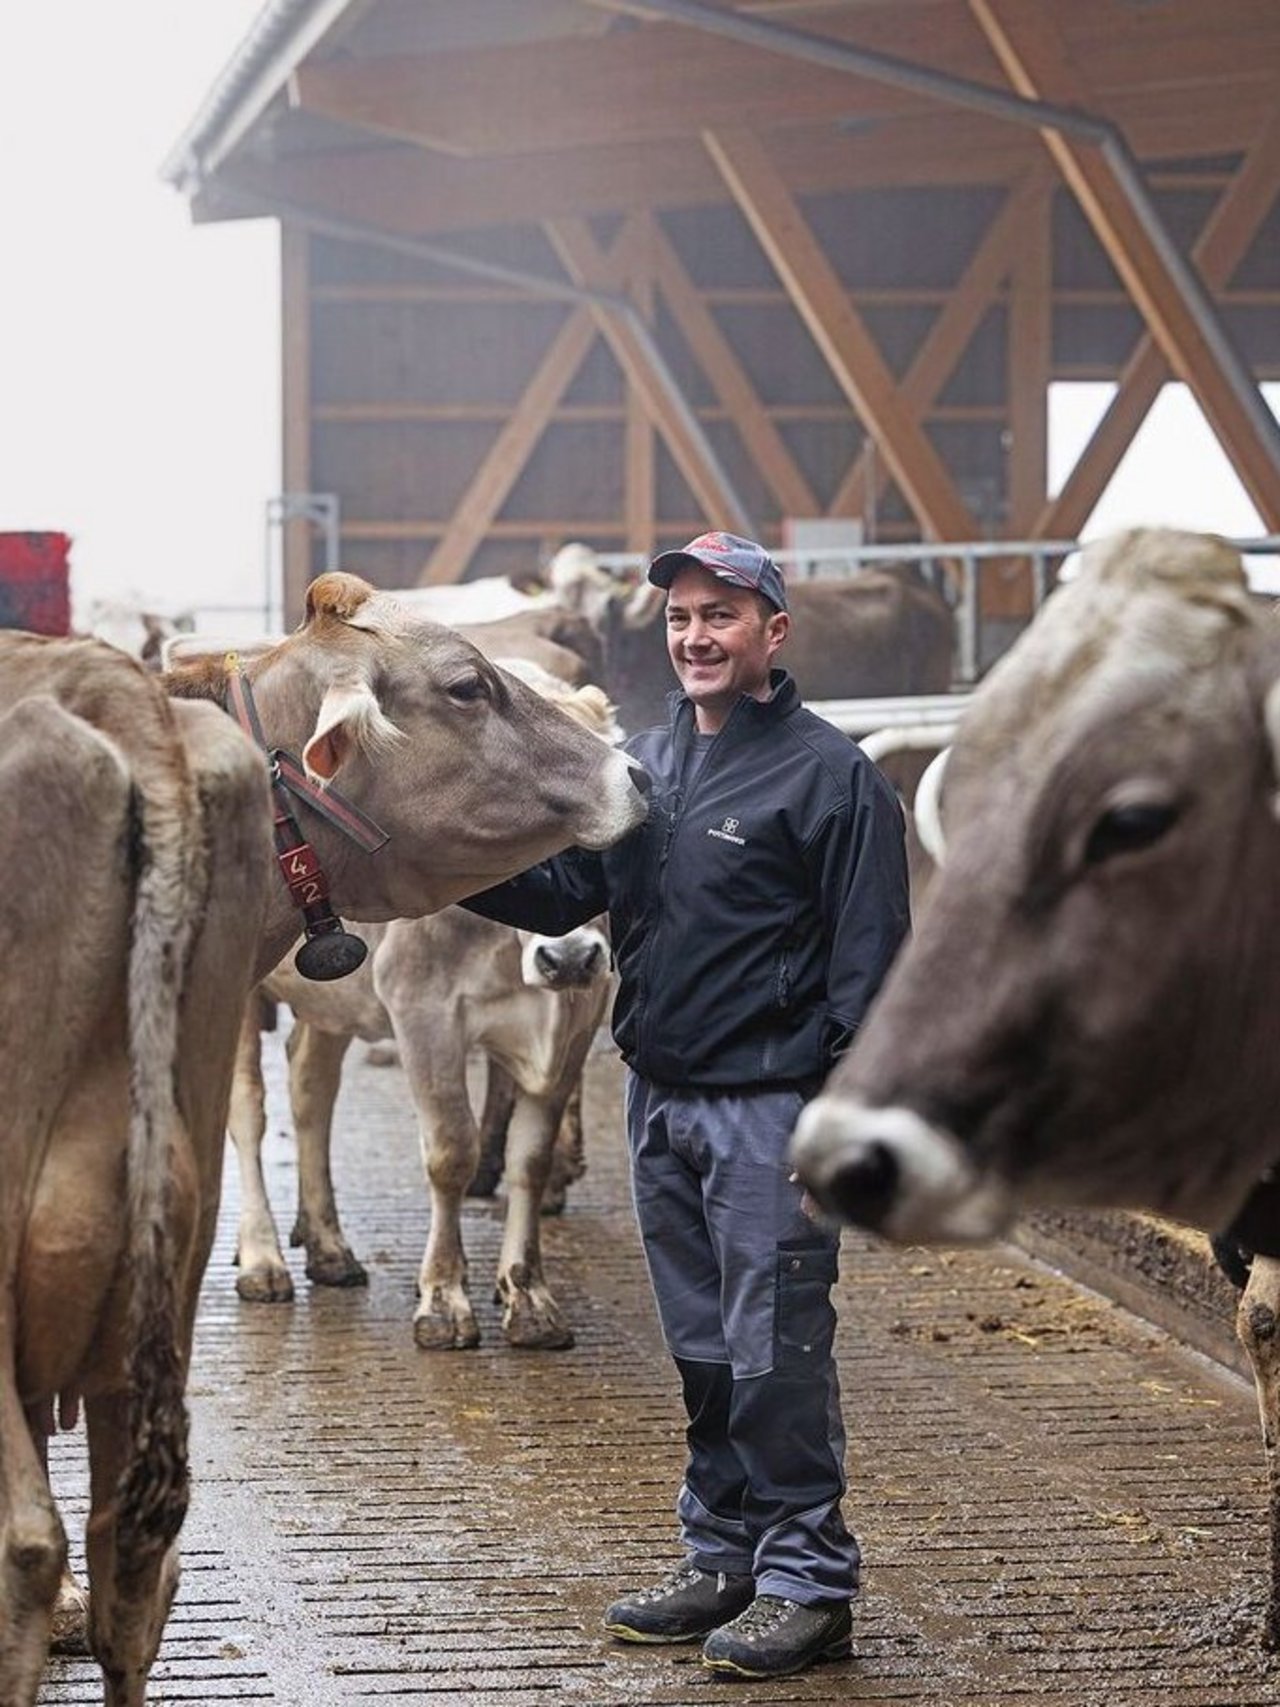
column 445, row 1333
column 266, row 1285
column 553, row 1201
column 535, row 1326
column 69, row 1633
column 336, row 1268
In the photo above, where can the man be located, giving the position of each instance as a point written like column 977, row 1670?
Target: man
column 754, row 916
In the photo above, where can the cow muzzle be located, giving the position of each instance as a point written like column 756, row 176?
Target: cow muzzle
column 889, row 1171
column 570, row 962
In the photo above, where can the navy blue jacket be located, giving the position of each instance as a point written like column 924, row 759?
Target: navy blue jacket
column 753, row 919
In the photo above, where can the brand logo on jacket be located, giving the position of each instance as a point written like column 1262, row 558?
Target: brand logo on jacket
column 729, row 833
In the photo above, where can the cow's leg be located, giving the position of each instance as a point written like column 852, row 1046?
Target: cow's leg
column 435, row 1061
column 315, row 1075
column 33, row 1547
column 568, row 1154
column 70, row 1630
column 530, row 1316
column 495, row 1118
column 263, row 1276
column 1258, row 1325
column 132, row 1578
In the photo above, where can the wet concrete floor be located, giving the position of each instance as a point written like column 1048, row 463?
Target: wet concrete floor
column 1057, row 1504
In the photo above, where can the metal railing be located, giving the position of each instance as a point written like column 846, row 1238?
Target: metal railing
column 955, row 563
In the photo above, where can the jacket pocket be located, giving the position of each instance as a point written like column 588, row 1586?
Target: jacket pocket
column 804, row 1318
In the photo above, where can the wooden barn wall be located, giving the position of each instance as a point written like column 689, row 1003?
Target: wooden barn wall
column 405, row 373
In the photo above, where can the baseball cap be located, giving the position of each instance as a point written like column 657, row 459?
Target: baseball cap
column 741, row 562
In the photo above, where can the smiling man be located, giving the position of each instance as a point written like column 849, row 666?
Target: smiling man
column 754, row 916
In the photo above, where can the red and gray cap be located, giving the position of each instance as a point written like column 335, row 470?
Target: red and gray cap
column 741, row 562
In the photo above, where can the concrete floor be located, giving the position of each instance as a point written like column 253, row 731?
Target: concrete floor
column 1057, row 1504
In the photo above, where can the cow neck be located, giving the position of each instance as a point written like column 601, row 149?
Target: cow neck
column 330, row 950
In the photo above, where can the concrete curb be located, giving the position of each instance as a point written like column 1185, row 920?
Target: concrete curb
column 1160, row 1270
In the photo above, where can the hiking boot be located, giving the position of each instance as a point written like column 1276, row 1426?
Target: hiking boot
column 684, row 1607
column 776, row 1637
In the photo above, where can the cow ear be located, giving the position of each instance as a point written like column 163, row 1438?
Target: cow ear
column 337, row 594
column 350, row 717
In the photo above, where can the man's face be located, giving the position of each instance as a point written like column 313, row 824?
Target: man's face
column 721, row 640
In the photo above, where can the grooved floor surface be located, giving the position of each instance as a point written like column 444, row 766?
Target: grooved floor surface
column 1056, row 1503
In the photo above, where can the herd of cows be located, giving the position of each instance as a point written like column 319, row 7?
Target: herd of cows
column 1082, row 1017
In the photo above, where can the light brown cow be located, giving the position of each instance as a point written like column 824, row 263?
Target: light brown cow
column 442, row 986
column 1083, row 1017
column 135, row 845
column 468, row 771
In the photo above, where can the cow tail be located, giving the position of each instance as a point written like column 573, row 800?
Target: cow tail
column 169, row 884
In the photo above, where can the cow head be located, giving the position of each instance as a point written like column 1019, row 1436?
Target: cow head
column 470, row 772
column 1086, row 1014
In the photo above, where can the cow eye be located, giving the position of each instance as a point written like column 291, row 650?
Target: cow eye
column 468, row 689
column 1128, row 829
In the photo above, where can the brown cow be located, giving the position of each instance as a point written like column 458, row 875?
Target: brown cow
column 1086, row 1015
column 470, row 773
column 881, row 632
column 1089, row 993
column 135, row 845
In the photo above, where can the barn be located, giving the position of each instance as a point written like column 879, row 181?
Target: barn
column 613, row 270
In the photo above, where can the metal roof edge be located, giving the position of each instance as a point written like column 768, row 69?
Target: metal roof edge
column 281, row 37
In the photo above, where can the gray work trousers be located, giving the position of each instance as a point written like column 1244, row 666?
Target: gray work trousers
column 742, row 1280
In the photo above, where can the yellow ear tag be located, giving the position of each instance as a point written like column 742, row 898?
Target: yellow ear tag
column 231, row 663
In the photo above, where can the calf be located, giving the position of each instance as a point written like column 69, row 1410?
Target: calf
column 442, row 986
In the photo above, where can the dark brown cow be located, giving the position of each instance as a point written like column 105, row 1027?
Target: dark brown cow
column 562, row 642
column 882, row 632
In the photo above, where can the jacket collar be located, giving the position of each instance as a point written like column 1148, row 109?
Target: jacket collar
column 747, row 712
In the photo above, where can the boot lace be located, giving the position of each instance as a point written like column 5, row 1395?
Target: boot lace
column 763, row 1616
column 683, row 1577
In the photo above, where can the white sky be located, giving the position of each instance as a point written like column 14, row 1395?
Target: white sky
column 139, row 365
column 139, row 377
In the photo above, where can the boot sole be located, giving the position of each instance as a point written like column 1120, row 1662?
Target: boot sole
column 653, row 1638
column 838, row 1650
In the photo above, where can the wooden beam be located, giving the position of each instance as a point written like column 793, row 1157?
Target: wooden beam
column 423, row 194
column 1221, row 246
column 646, row 85
column 297, row 561
column 1026, row 45
column 510, row 451
column 721, row 365
column 665, row 81
column 578, row 252
column 947, row 339
column 838, row 330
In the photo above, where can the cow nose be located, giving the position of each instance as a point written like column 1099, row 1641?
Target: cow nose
column 863, row 1190
column 592, row 960
column 545, row 960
